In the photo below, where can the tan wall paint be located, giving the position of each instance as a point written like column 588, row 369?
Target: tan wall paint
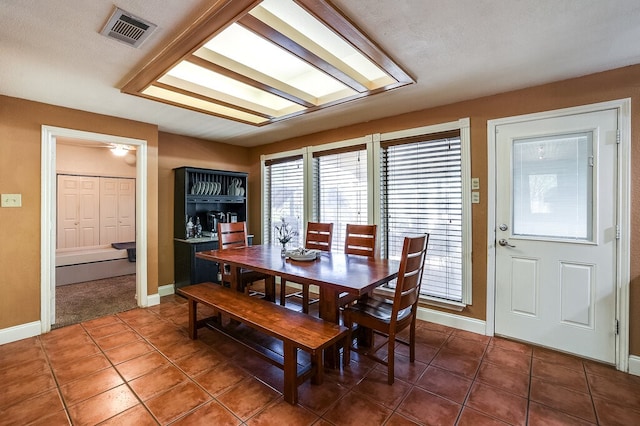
column 177, row 151
column 20, row 166
column 91, row 161
column 606, row 86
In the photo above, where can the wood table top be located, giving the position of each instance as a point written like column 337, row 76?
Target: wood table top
column 336, row 271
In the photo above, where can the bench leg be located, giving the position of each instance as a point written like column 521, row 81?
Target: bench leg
column 193, row 318
column 290, row 373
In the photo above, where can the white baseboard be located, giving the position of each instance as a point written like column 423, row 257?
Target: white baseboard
column 153, row 299
column 19, row 332
column 456, row 321
column 634, row 365
column 166, row 290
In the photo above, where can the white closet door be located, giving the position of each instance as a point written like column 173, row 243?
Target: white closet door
column 109, row 210
column 117, row 210
column 78, row 211
column 126, row 210
column 68, row 214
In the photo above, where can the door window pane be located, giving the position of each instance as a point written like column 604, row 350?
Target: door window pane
column 552, row 187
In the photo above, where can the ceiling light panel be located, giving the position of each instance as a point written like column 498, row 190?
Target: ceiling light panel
column 292, row 20
column 267, row 61
column 245, row 47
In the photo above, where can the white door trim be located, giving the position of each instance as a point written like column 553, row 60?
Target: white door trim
column 48, row 213
column 623, row 206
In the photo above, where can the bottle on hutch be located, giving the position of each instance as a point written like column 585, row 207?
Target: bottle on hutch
column 189, row 228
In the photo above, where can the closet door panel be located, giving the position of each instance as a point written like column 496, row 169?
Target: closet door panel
column 109, row 210
column 68, row 213
column 126, row 210
column 89, row 211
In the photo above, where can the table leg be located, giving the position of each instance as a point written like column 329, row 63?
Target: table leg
column 235, row 278
column 270, row 288
column 330, row 311
column 193, row 318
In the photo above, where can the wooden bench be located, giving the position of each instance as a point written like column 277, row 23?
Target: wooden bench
column 296, row 330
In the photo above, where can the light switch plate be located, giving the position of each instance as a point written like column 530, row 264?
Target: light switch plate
column 475, row 197
column 475, row 183
column 11, row 200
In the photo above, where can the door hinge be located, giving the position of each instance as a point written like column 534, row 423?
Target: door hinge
column 591, row 161
column 618, row 137
column 617, row 232
column 617, row 327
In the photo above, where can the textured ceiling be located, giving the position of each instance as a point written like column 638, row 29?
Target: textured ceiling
column 51, row 51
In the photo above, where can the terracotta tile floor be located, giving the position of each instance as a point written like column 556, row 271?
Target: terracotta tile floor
column 139, row 367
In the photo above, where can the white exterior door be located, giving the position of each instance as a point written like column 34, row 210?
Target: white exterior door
column 556, row 232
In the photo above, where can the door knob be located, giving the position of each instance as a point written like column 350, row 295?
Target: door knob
column 505, row 243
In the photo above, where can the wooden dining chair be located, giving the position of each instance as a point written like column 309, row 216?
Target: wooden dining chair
column 234, row 235
column 360, row 240
column 389, row 317
column 319, row 237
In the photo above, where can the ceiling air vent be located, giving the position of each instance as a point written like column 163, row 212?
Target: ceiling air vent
column 127, row 28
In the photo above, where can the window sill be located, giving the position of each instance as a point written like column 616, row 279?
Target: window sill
column 425, row 300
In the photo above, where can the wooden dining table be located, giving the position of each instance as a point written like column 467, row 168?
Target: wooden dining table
column 334, row 273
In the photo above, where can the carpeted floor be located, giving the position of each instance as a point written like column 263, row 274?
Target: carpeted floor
column 92, row 299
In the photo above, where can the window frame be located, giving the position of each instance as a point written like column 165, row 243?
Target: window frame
column 349, row 145
column 266, row 231
column 373, row 143
column 462, row 126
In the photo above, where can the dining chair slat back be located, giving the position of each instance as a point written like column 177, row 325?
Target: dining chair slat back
column 361, row 240
column 234, row 235
column 319, row 236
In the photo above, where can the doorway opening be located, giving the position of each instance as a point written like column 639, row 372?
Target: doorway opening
column 51, row 137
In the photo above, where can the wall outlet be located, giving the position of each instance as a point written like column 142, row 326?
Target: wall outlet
column 475, row 183
column 11, row 200
column 475, row 197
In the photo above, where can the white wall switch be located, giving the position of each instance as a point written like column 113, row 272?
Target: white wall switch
column 475, row 197
column 11, row 200
column 475, row 183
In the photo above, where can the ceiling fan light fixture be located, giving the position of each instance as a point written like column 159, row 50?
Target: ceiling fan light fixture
column 120, row 150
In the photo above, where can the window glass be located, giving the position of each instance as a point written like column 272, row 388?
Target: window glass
column 340, row 191
column 284, row 199
column 552, row 187
column 422, row 193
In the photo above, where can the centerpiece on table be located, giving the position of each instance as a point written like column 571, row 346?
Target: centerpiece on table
column 285, row 233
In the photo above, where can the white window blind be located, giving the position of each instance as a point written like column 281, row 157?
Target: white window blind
column 421, row 179
column 284, row 198
column 340, row 190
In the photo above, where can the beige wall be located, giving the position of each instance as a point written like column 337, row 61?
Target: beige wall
column 177, row 151
column 616, row 84
column 20, row 166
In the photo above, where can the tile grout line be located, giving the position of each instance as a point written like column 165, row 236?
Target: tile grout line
column 55, row 379
column 103, row 352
